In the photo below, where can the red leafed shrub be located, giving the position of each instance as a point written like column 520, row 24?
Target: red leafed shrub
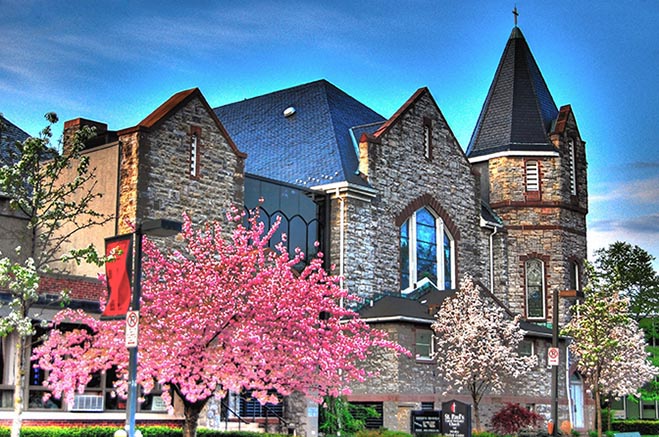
column 513, row 417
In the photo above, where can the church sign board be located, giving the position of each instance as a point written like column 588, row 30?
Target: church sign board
column 426, row 422
column 456, row 419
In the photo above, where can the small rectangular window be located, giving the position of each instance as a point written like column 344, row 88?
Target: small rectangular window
column 424, row 344
column 526, row 348
column 532, row 176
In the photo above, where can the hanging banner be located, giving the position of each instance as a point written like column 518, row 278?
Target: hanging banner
column 118, row 273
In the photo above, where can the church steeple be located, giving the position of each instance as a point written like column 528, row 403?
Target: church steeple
column 519, row 110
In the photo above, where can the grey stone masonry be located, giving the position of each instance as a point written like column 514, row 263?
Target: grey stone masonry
column 404, row 179
column 162, row 186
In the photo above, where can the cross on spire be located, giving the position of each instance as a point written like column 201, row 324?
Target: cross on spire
column 516, row 14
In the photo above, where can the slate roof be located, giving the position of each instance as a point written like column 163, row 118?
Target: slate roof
column 519, row 110
column 9, row 135
column 422, row 309
column 314, row 146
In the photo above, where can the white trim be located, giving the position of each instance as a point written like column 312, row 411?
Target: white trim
column 519, row 153
column 396, row 319
column 350, row 190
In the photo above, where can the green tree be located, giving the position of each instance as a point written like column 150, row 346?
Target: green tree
column 628, row 269
column 54, row 192
column 608, row 344
column 340, row 417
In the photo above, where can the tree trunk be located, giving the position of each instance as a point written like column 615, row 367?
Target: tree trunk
column 477, row 417
column 598, row 412
column 191, row 410
column 19, row 384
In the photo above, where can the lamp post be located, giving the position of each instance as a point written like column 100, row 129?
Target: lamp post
column 156, row 228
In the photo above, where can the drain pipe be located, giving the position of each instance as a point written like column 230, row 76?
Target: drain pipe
column 492, row 258
column 495, row 228
column 341, row 239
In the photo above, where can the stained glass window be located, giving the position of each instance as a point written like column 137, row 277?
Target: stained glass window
column 535, row 289
column 427, row 252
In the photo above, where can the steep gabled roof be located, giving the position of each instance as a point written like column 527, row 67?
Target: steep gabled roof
column 9, row 135
column 313, row 146
column 176, row 101
column 519, row 110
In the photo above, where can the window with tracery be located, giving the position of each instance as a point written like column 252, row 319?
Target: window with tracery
column 427, row 252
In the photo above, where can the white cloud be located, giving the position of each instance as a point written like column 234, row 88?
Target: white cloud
column 642, row 231
column 637, row 190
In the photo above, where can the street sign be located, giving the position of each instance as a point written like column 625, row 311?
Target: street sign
column 132, row 328
column 552, row 356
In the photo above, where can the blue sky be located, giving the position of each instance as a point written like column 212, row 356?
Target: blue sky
column 116, row 61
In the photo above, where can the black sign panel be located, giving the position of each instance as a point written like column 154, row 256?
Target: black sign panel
column 456, row 419
column 426, row 422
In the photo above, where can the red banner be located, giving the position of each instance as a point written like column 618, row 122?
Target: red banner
column 118, row 274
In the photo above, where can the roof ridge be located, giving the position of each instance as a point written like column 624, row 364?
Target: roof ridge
column 271, row 93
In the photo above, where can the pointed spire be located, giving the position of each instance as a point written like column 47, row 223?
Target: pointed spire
column 519, row 109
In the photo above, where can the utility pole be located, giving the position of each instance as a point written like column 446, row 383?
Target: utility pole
column 554, row 369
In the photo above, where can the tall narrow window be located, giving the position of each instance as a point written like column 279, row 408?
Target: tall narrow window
column 535, row 289
column 195, row 132
column 532, row 176
column 426, row 252
column 574, row 276
column 573, row 170
column 427, row 138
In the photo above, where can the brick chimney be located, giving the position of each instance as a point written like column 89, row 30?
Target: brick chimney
column 72, row 126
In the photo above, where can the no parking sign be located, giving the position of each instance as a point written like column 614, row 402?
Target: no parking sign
column 132, row 328
column 552, row 356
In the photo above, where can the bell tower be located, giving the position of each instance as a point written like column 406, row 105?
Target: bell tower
column 532, row 164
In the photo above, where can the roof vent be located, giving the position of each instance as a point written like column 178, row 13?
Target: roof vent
column 289, row 111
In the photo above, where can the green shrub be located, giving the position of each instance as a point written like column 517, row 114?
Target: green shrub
column 381, row 433
column 483, row 434
column 108, row 431
column 645, row 427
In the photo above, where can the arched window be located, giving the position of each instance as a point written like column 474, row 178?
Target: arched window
column 535, row 289
column 427, row 251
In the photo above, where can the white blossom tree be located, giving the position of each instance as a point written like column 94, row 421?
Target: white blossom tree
column 477, row 345
column 609, row 346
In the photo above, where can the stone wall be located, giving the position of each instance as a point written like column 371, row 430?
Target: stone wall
column 551, row 227
column 405, row 180
column 403, row 383
column 165, row 188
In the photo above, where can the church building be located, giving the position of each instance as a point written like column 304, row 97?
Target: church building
column 400, row 209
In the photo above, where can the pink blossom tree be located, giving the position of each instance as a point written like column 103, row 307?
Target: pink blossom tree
column 222, row 315
column 609, row 346
column 477, row 345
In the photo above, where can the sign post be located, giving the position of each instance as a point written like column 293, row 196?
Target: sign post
column 132, row 328
column 426, row 422
column 456, row 419
column 552, row 356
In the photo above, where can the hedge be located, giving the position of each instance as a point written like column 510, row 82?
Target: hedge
column 645, row 427
column 108, row 431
